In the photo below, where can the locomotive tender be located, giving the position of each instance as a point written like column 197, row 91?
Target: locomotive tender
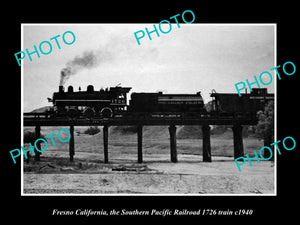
column 188, row 104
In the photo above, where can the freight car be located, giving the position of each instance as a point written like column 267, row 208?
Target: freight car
column 90, row 103
column 228, row 104
column 172, row 104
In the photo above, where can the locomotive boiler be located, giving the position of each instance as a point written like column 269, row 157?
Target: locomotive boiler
column 90, row 103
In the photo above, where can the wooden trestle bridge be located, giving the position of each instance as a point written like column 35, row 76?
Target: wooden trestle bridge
column 43, row 119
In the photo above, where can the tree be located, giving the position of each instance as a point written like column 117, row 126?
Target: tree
column 265, row 126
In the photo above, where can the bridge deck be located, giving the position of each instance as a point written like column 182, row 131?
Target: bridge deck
column 34, row 119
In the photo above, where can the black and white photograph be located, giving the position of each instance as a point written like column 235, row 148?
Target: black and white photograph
column 164, row 114
column 162, row 117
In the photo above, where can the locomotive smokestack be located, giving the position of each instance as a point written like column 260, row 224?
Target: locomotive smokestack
column 61, row 88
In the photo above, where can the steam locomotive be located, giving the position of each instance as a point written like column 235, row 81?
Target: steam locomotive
column 112, row 102
column 90, row 103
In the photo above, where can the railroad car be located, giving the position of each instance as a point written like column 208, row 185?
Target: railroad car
column 248, row 104
column 90, row 103
column 147, row 103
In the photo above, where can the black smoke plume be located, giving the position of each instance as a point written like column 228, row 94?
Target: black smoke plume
column 87, row 60
column 118, row 52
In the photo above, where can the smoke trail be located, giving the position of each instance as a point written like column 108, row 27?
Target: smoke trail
column 87, row 60
column 117, row 51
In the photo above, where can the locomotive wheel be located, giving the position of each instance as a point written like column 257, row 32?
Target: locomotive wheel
column 106, row 112
column 72, row 113
column 89, row 112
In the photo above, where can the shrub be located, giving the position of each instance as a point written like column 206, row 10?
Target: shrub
column 29, row 137
column 125, row 129
column 265, row 126
column 92, row 130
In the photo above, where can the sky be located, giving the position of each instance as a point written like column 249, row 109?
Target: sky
column 192, row 58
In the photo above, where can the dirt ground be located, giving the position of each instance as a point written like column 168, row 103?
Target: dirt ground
column 88, row 174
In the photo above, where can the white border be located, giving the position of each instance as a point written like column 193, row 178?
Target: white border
column 22, row 106
column 199, row 195
column 275, row 109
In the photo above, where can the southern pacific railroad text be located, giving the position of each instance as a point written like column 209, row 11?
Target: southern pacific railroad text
column 153, row 212
column 13, row 156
